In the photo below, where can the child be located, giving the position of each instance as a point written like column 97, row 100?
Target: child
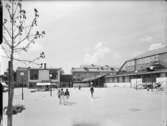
column 58, row 93
column 62, row 96
column 92, row 91
column 67, row 94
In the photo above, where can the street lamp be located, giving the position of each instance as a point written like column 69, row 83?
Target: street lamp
column 22, row 75
column 152, row 69
column 50, row 76
column 136, row 79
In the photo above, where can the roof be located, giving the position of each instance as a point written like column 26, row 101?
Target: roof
column 139, row 73
column 92, row 78
column 151, row 53
column 91, row 70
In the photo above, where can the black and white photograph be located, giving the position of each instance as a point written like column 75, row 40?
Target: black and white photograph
column 83, row 63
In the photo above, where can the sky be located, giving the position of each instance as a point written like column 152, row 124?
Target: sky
column 94, row 32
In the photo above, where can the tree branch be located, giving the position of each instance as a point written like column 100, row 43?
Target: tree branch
column 21, row 41
column 26, row 35
column 30, row 41
column 5, row 50
column 16, row 35
column 15, row 8
column 9, row 13
column 16, row 59
column 7, row 31
column 6, row 41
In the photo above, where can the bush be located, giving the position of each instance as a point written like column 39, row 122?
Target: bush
column 16, row 109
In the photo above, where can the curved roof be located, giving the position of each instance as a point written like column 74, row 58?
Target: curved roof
column 151, row 53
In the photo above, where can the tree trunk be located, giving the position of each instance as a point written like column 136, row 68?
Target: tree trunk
column 10, row 95
column 11, row 76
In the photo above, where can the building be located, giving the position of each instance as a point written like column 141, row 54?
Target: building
column 66, row 80
column 82, row 74
column 149, row 67
column 29, row 77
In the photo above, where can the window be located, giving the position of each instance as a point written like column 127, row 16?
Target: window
column 53, row 74
column 34, row 74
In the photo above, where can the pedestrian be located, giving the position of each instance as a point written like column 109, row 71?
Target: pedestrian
column 79, row 87
column 62, row 97
column 58, row 93
column 91, row 90
column 67, row 95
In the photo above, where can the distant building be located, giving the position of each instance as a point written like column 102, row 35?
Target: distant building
column 66, row 80
column 31, row 76
column 148, row 67
column 85, row 73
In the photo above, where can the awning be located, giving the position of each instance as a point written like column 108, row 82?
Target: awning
column 43, row 84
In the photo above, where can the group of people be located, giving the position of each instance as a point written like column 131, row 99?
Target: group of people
column 63, row 96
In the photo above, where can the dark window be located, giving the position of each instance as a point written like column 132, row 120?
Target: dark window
column 34, row 74
column 53, row 74
column 123, row 79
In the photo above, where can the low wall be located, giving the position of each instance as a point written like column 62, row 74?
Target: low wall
column 117, row 85
column 81, row 84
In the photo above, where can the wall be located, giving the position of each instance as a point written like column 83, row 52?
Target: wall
column 163, row 59
column 127, row 85
column 21, row 80
column 43, row 76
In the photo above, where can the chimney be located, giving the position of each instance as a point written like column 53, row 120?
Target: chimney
column 44, row 65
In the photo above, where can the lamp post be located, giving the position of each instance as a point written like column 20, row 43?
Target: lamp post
column 50, row 76
column 22, row 75
column 152, row 69
column 136, row 79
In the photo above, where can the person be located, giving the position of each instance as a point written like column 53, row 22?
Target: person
column 62, row 96
column 91, row 90
column 67, row 94
column 79, row 87
column 58, row 93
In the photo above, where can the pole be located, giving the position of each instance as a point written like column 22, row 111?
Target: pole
column 152, row 82
column 22, row 90
column 50, row 77
column 50, row 89
column 1, row 20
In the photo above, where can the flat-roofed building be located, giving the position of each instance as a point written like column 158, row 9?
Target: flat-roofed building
column 31, row 76
column 148, row 67
column 80, row 74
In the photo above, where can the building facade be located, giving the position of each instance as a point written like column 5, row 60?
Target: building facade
column 66, row 80
column 29, row 77
column 80, row 74
column 148, row 67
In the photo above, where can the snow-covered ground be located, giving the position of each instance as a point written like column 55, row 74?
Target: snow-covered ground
column 109, row 107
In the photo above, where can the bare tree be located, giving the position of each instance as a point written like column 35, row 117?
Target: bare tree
column 19, row 33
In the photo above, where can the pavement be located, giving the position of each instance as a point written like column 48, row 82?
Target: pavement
column 109, row 107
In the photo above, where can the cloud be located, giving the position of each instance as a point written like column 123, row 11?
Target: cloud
column 136, row 53
column 147, row 39
column 36, row 47
column 156, row 46
column 99, row 51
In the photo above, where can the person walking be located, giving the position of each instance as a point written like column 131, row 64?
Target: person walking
column 91, row 90
column 79, row 87
column 62, row 97
column 67, row 95
column 58, row 94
